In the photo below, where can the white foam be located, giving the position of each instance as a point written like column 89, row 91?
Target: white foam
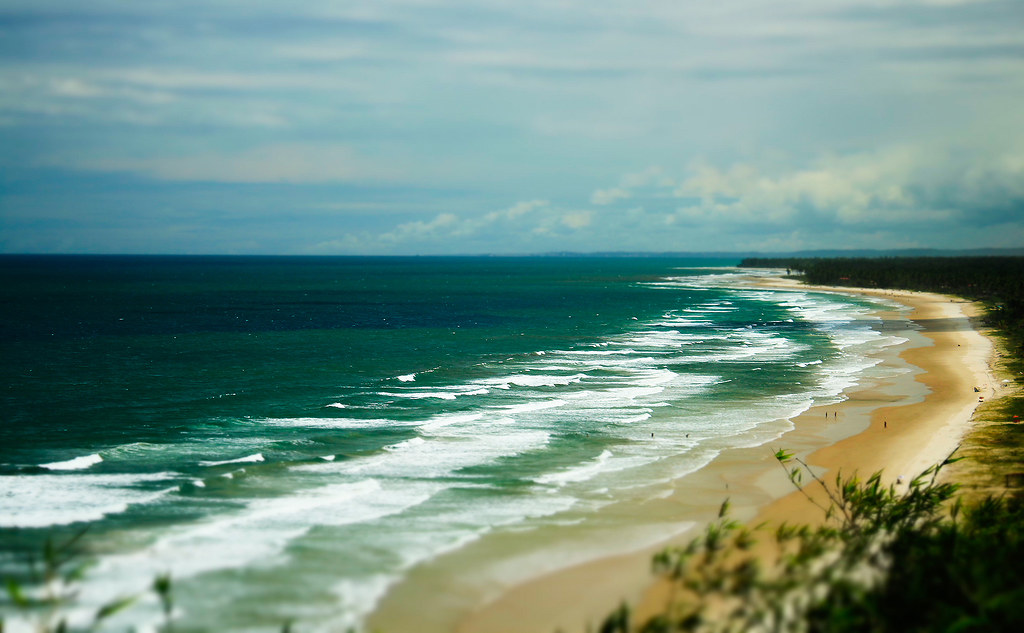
column 248, row 459
column 531, row 406
column 407, row 377
column 407, row 444
column 332, row 423
column 632, row 393
column 445, row 446
column 449, row 393
column 447, row 419
column 435, row 534
column 32, row 501
column 578, row 473
column 78, row 463
column 257, row 533
column 636, row 418
column 337, row 405
column 357, row 598
column 421, row 395
column 533, row 380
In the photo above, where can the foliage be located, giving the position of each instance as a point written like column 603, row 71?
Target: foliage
column 54, row 587
column 885, row 559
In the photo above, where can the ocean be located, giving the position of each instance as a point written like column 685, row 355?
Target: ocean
column 290, row 437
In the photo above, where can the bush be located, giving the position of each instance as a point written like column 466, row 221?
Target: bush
column 883, row 560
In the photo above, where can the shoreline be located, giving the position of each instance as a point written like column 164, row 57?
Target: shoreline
column 900, row 424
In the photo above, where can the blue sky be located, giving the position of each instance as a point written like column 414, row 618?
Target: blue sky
column 437, row 127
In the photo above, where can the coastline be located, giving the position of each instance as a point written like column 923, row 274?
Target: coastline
column 898, row 425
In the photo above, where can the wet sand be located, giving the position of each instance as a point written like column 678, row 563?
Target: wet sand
column 900, row 425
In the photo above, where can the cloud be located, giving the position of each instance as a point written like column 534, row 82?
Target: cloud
column 884, row 119
column 277, row 163
column 577, row 219
column 520, row 209
column 896, row 186
column 444, row 229
column 506, row 221
column 608, row 196
column 443, row 224
column 653, row 176
column 512, row 228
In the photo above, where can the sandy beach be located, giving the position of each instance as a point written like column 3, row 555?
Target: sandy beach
column 900, row 426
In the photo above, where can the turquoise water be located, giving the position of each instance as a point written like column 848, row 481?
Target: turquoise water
column 288, row 437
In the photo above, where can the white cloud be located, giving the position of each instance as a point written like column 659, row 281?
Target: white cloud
column 419, row 230
column 577, row 219
column 608, row 196
column 848, row 190
column 520, row 209
column 520, row 218
column 653, row 176
column 279, row 163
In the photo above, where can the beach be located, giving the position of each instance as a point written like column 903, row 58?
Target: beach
column 505, row 459
column 899, row 426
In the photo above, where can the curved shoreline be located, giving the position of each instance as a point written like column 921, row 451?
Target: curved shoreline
column 900, row 425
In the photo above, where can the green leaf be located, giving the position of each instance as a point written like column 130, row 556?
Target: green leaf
column 17, row 595
column 783, row 455
column 113, row 607
column 724, row 509
column 162, row 584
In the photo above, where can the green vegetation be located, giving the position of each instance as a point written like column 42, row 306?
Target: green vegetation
column 43, row 600
column 993, row 451
column 53, row 586
column 884, row 560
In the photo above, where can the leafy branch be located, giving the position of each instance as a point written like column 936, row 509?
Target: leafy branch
column 884, row 559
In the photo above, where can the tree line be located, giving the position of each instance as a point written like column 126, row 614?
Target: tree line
column 998, row 282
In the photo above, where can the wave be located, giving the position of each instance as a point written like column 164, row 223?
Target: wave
column 36, row 501
column 636, row 418
column 449, row 393
column 78, row 463
column 258, row 532
column 578, row 473
column 530, row 406
column 248, row 459
column 531, row 380
column 331, row 423
column 407, row 444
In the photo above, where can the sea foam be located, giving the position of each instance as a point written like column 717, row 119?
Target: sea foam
column 248, row 459
column 33, row 501
column 78, row 463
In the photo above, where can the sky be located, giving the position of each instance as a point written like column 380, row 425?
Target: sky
column 423, row 127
